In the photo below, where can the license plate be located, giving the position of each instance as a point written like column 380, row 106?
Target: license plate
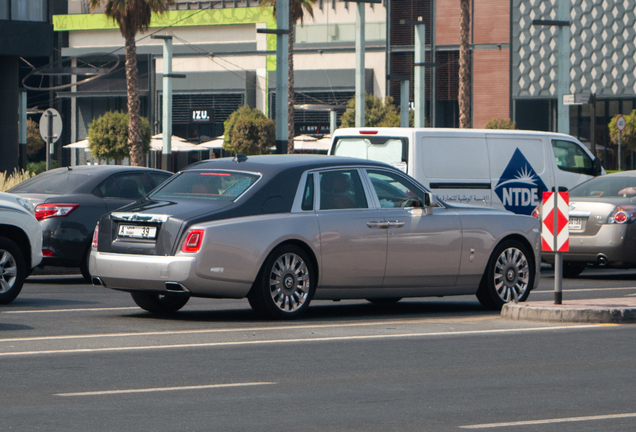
column 136, row 231
column 575, row 223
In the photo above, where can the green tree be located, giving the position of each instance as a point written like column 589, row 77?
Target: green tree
column 628, row 136
column 464, row 64
column 248, row 131
column 108, row 136
column 132, row 16
column 377, row 113
column 297, row 10
column 35, row 143
column 500, row 123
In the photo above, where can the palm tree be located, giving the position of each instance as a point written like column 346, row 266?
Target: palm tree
column 464, row 65
column 132, row 16
column 297, row 9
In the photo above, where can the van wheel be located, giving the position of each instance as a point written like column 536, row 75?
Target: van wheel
column 509, row 276
column 285, row 285
column 573, row 269
column 163, row 304
column 12, row 270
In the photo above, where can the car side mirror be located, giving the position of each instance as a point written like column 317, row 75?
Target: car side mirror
column 430, row 201
column 598, row 168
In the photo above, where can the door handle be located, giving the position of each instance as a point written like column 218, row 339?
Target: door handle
column 378, row 224
column 397, row 224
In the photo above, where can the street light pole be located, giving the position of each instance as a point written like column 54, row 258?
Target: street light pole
column 360, row 78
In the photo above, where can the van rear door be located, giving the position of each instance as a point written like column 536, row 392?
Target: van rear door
column 381, row 148
column 520, row 170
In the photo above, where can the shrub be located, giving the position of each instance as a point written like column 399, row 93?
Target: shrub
column 108, row 136
column 500, row 123
column 248, row 131
column 7, row 181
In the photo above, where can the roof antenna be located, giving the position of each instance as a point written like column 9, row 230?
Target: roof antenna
column 240, row 158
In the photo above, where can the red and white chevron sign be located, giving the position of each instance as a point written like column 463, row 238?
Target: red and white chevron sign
column 561, row 230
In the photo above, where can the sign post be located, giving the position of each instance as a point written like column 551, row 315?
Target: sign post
column 620, row 125
column 555, row 234
column 50, row 130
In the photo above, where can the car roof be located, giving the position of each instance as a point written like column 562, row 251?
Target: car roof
column 99, row 169
column 272, row 164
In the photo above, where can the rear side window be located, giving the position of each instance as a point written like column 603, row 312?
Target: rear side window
column 125, row 186
column 53, row 182
column 572, row 158
column 206, row 185
column 308, row 194
column 341, row 190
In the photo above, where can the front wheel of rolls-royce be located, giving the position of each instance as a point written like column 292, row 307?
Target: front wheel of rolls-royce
column 285, row 284
column 159, row 303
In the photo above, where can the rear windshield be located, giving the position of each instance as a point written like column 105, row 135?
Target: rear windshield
column 57, row 182
column 377, row 148
column 606, row 187
column 206, row 185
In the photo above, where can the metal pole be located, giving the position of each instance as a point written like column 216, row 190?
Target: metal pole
column 22, row 154
column 558, row 256
column 282, row 76
column 333, row 125
column 619, row 151
column 419, row 89
column 49, row 139
column 405, row 93
column 563, row 86
column 434, row 68
column 166, row 121
column 360, row 78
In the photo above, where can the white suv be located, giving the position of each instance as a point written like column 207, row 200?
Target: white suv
column 20, row 244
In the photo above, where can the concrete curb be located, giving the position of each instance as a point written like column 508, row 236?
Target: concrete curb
column 612, row 310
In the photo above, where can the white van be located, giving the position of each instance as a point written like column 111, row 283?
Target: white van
column 496, row 168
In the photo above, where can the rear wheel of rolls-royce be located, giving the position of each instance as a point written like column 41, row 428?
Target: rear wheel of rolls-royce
column 285, row 285
column 509, row 275
column 159, row 303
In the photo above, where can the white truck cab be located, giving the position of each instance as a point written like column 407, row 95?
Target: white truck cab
column 495, row 168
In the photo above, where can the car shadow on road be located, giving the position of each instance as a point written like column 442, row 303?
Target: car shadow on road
column 57, row 280
column 336, row 311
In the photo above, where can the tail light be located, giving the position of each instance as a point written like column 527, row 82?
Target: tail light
column 536, row 213
column 47, row 253
column 51, row 210
column 622, row 214
column 193, row 241
column 95, row 236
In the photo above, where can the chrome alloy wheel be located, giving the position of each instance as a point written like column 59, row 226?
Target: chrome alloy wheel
column 511, row 275
column 289, row 282
column 8, row 271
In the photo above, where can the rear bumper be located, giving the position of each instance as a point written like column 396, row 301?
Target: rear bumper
column 612, row 244
column 160, row 274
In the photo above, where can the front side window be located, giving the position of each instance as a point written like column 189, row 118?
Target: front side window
column 395, row 191
column 341, row 190
column 571, row 157
column 206, row 185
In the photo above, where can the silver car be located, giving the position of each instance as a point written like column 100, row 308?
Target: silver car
column 283, row 230
column 602, row 228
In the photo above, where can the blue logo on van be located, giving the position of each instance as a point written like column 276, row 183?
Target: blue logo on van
column 519, row 187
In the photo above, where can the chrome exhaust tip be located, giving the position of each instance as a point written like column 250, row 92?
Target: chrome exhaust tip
column 176, row 287
column 97, row 281
column 602, row 259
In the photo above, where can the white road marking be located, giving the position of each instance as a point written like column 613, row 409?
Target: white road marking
column 163, row 389
column 248, row 329
column 297, row 340
column 585, row 289
column 69, row 310
column 549, row 421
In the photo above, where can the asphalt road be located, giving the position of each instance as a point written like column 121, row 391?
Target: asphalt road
column 80, row 358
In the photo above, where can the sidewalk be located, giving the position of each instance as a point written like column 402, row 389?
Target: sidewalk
column 608, row 310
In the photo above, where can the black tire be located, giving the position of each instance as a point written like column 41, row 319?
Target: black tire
column 285, row 285
column 12, row 270
column 84, row 266
column 163, row 304
column 573, row 269
column 384, row 301
column 509, row 275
